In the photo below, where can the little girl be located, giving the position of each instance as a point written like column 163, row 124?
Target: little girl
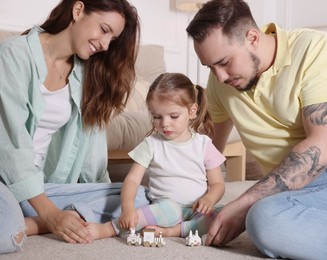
column 185, row 181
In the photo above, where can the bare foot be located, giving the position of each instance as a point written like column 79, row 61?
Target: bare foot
column 99, row 231
column 35, row 226
column 174, row 231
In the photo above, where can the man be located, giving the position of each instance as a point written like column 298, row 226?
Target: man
column 272, row 85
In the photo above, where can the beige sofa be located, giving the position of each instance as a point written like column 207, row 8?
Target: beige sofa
column 129, row 128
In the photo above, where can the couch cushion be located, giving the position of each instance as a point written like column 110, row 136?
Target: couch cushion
column 150, row 62
column 127, row 130
column 136, row 101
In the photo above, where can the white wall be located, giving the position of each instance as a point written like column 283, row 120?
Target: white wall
column 162, row 24
column 18, row 15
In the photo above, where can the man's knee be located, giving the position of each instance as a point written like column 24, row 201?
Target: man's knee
column 264, row 227
column 257, row 222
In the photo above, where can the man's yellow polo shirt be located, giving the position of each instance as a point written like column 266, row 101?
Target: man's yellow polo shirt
column 268, row 117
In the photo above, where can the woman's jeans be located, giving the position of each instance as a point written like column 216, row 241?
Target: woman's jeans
column 292, row 224
column 95, row 202
column 12, row 223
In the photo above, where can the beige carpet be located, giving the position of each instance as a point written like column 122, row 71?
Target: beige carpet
column 49, row 247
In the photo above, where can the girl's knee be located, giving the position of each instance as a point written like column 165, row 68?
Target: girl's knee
column 167, row 212
column 172, row 207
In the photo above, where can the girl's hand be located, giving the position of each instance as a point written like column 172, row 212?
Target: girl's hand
column 128, row 219
column 203, row 205
column 216, row 188
column 69, row 226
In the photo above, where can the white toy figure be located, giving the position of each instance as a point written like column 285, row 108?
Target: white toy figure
column 204, row 237
column 149, row 238
column 134, row 239
column 160, row 241
column 193, row 240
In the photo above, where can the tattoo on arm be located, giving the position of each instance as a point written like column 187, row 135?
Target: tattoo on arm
column 316, row 113
column 295, row 171
column 280, row 183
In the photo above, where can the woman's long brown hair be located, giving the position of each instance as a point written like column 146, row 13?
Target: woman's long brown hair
column 108, row 76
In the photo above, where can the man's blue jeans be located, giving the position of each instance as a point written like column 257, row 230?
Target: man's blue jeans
column 292, row 224
column 95, row 202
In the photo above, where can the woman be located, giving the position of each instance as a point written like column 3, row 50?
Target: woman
column 59, row 85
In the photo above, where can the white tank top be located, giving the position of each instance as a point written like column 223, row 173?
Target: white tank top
column 58, row 109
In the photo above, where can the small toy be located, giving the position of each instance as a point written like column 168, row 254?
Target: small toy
column 149, row 238
column 133, row 238
column 204, row 237
column 160, row 240
column 193, row 240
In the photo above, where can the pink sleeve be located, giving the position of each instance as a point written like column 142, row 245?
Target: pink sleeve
column 212, row 157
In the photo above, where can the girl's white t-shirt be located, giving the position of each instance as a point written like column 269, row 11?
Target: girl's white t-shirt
column 177, row 170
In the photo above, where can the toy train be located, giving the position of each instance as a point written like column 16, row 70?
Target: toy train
column 148, row 239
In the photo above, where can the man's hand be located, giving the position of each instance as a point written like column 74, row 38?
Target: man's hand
column 228, row 224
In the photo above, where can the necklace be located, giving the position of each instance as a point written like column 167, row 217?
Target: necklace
column 60, row 74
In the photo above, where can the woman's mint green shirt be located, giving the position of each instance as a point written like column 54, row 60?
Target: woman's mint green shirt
column 74, row 154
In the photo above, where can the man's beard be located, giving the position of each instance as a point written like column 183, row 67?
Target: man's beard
column 254, row 79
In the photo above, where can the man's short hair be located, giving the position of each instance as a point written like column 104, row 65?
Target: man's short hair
column 233, row 16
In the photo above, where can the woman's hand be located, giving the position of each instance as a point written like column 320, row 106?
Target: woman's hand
column 69, row 226
column 128, row 219
column 66, row 224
